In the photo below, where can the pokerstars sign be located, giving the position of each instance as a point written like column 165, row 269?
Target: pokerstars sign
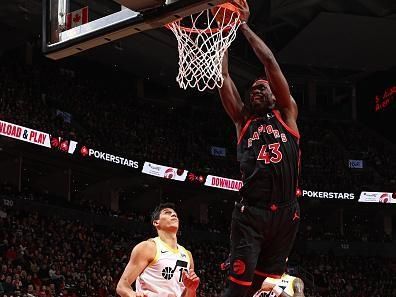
column 328, row 195
column 24, row 134
column 109, row 157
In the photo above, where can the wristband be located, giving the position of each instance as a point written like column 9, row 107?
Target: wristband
column 277, row 290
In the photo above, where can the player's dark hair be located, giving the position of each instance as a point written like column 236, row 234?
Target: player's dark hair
column 156, row 213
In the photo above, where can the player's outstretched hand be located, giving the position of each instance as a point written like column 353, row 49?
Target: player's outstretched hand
column 243, row 7
column 140, row 294
column 190, row 280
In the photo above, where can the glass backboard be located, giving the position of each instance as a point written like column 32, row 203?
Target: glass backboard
column 73, row 26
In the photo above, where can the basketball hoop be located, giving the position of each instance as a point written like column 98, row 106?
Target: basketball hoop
column 202, row 41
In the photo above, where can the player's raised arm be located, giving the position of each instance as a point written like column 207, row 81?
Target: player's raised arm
column 230, row 97
column 275, row 77
column 142, row 254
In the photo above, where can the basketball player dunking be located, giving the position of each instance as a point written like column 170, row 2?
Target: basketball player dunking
column 160, row 267
column 265, row 221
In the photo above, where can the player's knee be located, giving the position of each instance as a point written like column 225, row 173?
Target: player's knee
column 235, row 290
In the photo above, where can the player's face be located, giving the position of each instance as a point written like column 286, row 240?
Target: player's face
column 261, row 97
column 168, row 220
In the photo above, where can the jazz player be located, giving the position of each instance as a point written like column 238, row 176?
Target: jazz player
column 285, row 286
column 265, row 221
column 160, row 266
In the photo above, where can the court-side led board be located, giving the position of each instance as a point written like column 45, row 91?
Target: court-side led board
column 73, row 26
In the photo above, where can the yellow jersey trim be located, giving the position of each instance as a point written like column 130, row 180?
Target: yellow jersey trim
column 175, row 251
column 187, row 254
column 157, row 252
column 289, row 289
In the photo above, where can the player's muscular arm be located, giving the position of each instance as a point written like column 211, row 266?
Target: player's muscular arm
column 190, row 280
column 142, row 254
column 277, row 80
column 278, row 83
column 230, row 97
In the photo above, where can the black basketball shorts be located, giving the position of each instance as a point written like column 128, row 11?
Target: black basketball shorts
column 261, row 240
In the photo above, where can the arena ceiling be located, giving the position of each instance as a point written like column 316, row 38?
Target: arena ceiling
column 333, row 40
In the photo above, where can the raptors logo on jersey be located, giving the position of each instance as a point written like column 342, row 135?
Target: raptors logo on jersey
column 268, row 152
column 164, row 275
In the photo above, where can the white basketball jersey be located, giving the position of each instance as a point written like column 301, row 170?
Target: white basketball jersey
column 163, row 276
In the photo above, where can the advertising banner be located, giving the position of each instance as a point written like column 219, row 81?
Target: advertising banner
column 108, row 157
column 377, row 197
column 24, row 134
column 164, row 171
column 223, row 183
column 328, row 195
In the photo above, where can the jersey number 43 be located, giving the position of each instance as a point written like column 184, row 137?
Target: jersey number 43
column 270, row 153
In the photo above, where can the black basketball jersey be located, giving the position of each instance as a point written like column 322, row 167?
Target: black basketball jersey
column 269, row 156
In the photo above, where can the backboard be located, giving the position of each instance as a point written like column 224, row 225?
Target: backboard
column 73, row 26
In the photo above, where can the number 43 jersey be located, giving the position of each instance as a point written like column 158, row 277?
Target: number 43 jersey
column 163, row 276
column 269, row 156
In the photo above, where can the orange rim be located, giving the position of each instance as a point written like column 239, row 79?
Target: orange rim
column 227, row 6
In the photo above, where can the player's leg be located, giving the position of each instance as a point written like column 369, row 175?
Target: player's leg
column 274, row 253
column 245, row 248
column 259, row 275
column 256, row 285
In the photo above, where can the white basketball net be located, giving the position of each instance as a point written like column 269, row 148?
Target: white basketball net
column 201, row 50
